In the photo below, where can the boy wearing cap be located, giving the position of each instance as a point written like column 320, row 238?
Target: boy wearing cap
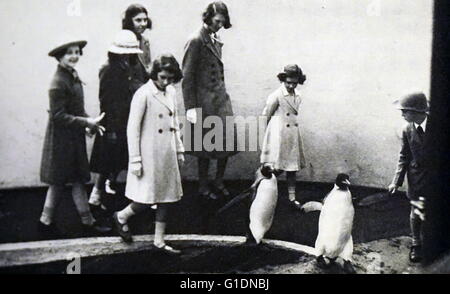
column 412, row 160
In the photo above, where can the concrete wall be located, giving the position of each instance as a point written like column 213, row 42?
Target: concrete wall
column 358, row 57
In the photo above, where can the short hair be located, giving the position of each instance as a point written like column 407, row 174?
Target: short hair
column 214, row 8
column 59, row 54
column 166, row 62
column 132, row 11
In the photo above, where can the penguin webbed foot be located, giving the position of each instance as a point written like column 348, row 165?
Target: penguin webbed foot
column 324, row 262
column 348, row 267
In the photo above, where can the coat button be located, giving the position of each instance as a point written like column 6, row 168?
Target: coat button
column 296, row 125
column 160, row 115
column 160, row 131
column 170, row 113
column 287, row 114
column 172, row 129
column 287, row 125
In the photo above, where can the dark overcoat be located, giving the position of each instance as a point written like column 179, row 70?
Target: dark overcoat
column 117, row 86
column 412, row 162
column 203, row 88
column 64, row 156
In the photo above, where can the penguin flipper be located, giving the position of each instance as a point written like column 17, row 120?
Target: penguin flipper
column 235, row 200
column 312, row 206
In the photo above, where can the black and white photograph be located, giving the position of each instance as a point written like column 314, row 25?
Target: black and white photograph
column 246, row 138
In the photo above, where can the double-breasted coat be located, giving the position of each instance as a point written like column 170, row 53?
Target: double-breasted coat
column 64, row 156
column 154, row 139
column 283, row 144
column 117, row 86
column 412, row 162
column 203, row 88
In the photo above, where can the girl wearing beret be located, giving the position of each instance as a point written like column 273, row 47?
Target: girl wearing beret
column 156, row 151
column 282, row 145
column 64, row 157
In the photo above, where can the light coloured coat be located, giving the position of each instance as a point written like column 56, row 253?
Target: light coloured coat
column 283, row 143
column 154, row 137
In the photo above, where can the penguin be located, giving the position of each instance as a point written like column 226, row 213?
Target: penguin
column 335, row 226
column 262, row 199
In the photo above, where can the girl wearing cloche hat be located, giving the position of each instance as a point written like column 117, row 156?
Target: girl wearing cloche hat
column 282, row 145
column 64, row 156
column 117, row 86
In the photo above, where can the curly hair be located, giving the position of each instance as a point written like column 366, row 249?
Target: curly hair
column 166, row 62
column 214, row 8
column 292, row 74
column 132, row 11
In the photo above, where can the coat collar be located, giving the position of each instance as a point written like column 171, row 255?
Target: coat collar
column 286, row 95
column 205, row 35
column 71, row 74
column 166, row 98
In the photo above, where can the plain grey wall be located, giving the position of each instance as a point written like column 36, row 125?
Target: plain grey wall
column 358, row 56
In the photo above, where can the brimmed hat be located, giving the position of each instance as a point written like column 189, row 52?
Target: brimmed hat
column 292, row 70
column 64, row 44
column 125, row 42
column 415, row 102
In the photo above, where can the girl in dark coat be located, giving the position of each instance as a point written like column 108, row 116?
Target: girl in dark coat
column 205, row 95
column 110, row 152
column 64, row 157
column 135, row 19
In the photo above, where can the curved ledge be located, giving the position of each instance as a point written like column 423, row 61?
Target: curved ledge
column 26, row 253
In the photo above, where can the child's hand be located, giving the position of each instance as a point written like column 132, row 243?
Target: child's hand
column 191, row 115
column 88, row 132
column 94, row 124
column 180, row 158
column 136, row 168
column 393, row 188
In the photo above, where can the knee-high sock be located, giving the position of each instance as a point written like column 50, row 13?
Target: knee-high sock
column 81, row 202
column 51, row 202
column 160, row 222
column 160, row 229
column 291, row 182
column 132, row 209
column 416, row 228
column 99, row 187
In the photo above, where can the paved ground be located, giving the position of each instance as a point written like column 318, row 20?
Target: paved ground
column 20, row 210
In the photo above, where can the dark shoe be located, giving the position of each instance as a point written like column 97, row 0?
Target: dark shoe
column 222, row 190
column 49, row 231
column 124, row 234
column 323, row 262
column 415, row 255
column 98, row 211
column 96, row 228
column 209, row 195
column 167, row 249
column 348, row 267
column 296, row 205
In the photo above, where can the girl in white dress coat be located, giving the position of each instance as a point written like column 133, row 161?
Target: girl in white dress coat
column 282, row 145
column 155, row 150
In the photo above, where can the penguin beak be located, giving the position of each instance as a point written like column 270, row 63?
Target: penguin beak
column 347, row 182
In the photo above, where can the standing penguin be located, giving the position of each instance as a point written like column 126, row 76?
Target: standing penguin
column 262, row 199
column 335, row 225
